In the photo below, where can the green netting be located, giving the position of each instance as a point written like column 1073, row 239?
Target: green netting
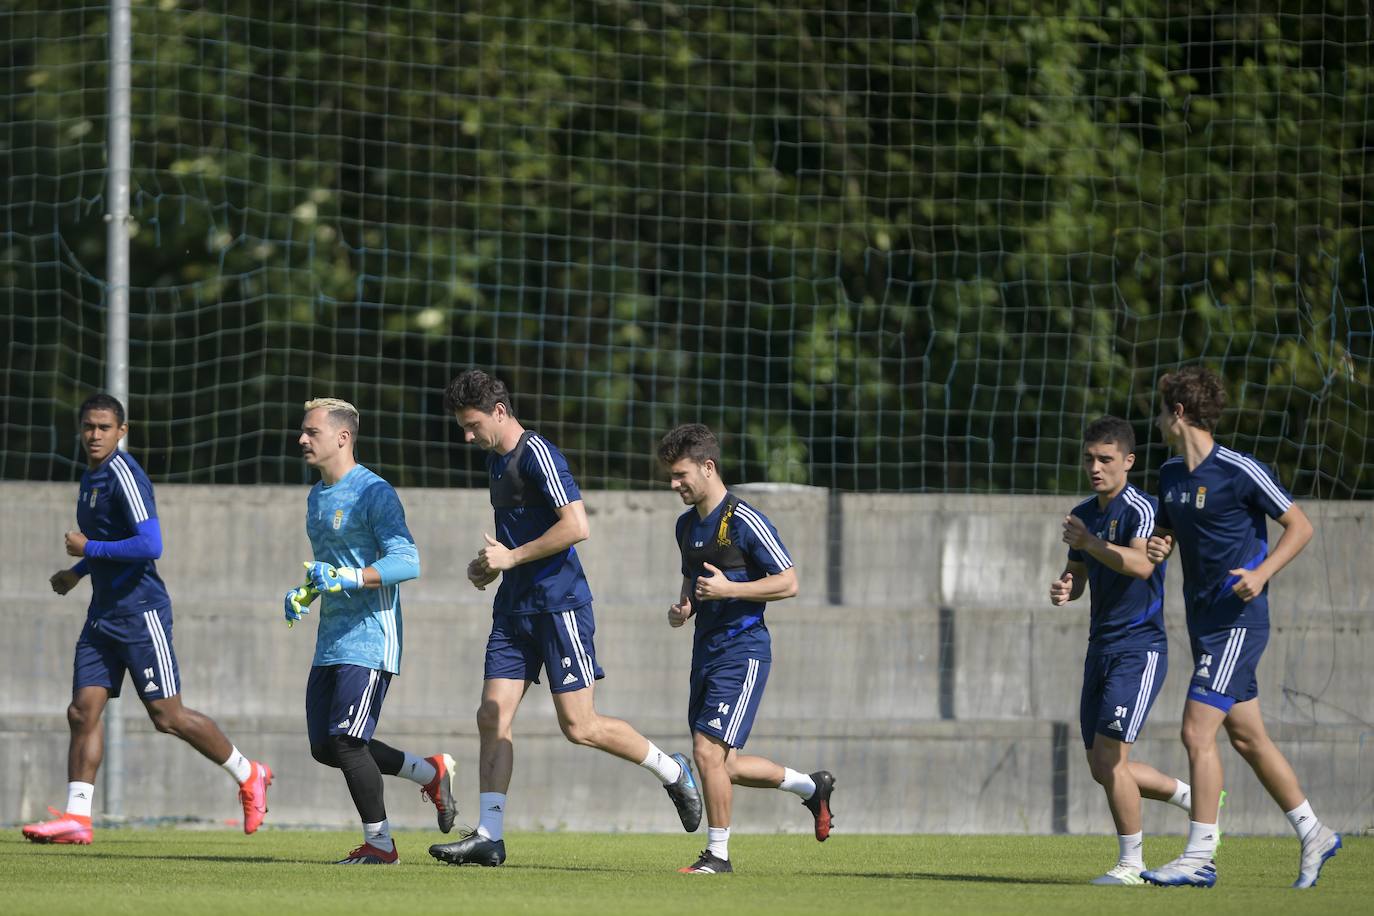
column 895, row 246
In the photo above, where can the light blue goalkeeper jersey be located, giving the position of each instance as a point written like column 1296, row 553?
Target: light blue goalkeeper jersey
column 359, row 522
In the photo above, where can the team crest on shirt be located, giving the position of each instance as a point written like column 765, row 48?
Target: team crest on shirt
column 1201, row 497
column 91, row 498
column 1112, row 531
column 338, row 519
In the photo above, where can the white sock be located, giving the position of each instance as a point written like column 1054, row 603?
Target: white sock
column 238, row 766
column 1183, row 795
column 379, row 835
column 493, row 820
column 417, row 769
column 1303, row 820
column 1132, row 849
column 1202, row 841
column 718, row 842
column 79, row 797
column 797, row 783
column 661, row 765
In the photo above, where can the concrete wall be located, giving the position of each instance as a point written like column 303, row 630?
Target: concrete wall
column 939, row 593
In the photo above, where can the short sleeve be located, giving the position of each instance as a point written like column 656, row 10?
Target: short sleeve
column 1162, row 519
column 1258, row 487
column 1138, row 518
column 679, row 530
column 758, row 540
column 546, row 464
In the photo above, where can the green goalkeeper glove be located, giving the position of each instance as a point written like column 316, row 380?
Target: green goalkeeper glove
column 298, row 602
column 326, row 578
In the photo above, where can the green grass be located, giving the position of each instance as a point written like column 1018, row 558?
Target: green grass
column 559, row 874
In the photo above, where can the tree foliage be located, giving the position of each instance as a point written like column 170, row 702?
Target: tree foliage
column 907, row 247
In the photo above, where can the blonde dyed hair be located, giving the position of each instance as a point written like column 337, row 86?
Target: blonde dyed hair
column 340, row 411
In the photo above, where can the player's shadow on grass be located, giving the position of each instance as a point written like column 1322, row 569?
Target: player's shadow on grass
column 889, row 875
column 218, row 860
column 944, row 876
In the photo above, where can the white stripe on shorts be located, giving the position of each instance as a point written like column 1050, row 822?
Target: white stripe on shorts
column 1229, row 656
column 364, row 706
column 1142, row 698
column 584, row 660
column 163, row 651
column 742, row 703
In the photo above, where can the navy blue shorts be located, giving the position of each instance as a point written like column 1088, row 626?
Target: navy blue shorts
column 344, row 700
column 1225, row 665
column 138, row 643
column 725, row 696
column 1118, row 690
column 560, row 642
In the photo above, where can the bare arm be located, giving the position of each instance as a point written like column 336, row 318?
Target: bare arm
column 571, row 528
column 1131, row 560
column 715, row 586
column 1297, row 531
column 1070, row 584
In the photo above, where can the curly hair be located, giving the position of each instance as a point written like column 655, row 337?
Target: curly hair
column 476, row 389
column 1201, row 392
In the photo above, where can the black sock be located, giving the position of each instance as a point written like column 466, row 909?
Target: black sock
column 362, row 775
column 389, row 760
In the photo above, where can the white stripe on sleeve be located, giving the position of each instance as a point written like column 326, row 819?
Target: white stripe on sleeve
column 125, row 475
column 553, row 484
column 765, row 536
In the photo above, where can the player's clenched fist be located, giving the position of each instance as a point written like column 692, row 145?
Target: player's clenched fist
column 1061, row 590
column 679, row 613
column 1158, row 548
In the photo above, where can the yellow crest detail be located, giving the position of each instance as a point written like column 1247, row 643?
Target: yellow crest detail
column 1201, row 497
column 338, row 518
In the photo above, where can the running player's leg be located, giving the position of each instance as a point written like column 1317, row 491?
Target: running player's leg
column 1202, row 717
column 713, row 758
column 1245, row 727
column 97, row 672
column 85, row 721
column 433, row 774
column 568, row 652
column 511, row 665
column 1119, row 688
column 152, row 663
column 501, row 696
column 343, row 704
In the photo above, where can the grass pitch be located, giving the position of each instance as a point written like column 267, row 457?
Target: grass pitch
column 285, row 871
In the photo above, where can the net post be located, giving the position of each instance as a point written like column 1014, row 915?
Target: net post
column 118, row 142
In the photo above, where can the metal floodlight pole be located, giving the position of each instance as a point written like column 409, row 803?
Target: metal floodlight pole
column 118, row 142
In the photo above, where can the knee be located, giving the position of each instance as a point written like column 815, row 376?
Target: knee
column 580, row 731
column 323, row 752
column 1101, row 770
column 164, row 722
column 78, row 718
column 705, row 755
column 1196, row 739
column 488, row 717
column 1248, row 746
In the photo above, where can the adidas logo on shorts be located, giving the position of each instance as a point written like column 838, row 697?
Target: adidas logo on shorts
column 570, row 679
column 714, row 723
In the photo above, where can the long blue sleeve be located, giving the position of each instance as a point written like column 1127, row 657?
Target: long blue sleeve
column 402, row 562
column 145, row 545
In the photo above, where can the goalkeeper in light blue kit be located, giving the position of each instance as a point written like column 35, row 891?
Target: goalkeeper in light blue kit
column 362, row 553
